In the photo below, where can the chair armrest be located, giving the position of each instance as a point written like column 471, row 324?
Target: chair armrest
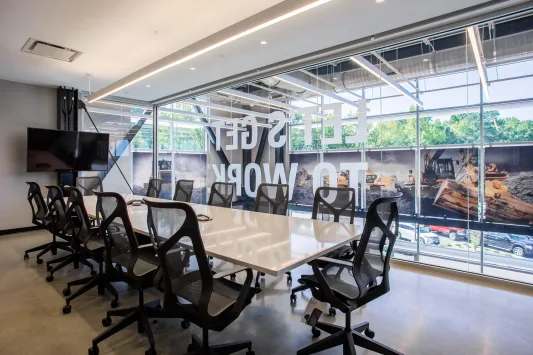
column 336, row 262
column 245, row 290
column 225, row 273
column 324, row 286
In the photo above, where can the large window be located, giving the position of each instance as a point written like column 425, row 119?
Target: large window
column 461, row 162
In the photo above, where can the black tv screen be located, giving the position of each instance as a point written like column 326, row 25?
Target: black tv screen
column 54, row 150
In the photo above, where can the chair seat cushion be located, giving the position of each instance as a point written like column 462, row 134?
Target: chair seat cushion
column 224, row 295
column 338, row 286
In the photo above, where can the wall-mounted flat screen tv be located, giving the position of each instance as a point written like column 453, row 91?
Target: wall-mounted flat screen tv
column 55, row 150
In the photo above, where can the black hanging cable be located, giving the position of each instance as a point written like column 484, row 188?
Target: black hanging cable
column 84, row 107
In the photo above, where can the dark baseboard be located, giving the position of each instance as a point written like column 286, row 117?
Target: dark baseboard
column 19, row 230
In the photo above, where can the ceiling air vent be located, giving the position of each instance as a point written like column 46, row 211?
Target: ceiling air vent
column 49, row 50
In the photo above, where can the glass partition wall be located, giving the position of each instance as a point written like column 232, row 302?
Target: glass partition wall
column 443, row 122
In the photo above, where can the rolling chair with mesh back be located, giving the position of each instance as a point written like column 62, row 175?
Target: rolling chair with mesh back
column 89, row 244
column 127, row 261
column 366, row 279
column 336, row 201
column 88, row 184
column 154, row 187
column 212, row 302
column 63, row 225
column 183, row 191
column 42, row 218
column 221, row 194
column 273, row 199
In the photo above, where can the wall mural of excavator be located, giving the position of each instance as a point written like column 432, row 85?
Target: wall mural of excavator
column 449, row 180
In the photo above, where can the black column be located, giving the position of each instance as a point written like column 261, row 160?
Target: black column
column 67, row 120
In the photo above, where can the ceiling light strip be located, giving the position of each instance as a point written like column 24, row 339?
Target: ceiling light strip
column 104, row 111
column 273, row 15
column 213, row 117
column 391, row 67
column 226, row 108
column 301, row 84
column 365, row 64
column 317, row 77
column 256, row 98
column 475, row 42
column 205, row 124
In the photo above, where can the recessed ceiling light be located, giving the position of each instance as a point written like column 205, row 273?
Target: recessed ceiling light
column 263, row 42
column 148, row 86
column 426, row 59
column 378, row 1
column 193, row 68
column 335, row 78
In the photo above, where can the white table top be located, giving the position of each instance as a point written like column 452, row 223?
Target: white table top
column 268, row 243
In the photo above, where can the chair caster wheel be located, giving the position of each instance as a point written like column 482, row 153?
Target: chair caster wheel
column 150, row 351
column 26, row 256
column 263, row 274
column 232, row 277
column 293, row 298
column 93, row 273
column 369, row 333
column 49, row 278
column 250, row 352
column 289, row 280
column 106, row 322
column 114, row 304
column 67, row 308
column 39, row 261
column 316, row 332
column 185, row 324
column 94, row 350
column 332, row 312
column 66, row 292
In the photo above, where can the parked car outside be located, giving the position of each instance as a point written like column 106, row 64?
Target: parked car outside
column 408, row 232
column 453, row 233
column 519, row 245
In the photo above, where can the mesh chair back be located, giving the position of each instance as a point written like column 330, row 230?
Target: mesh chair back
column 183, row 191
column 372, row 257
column 221, row 194
column 119, row 237
column 38, row 206
column 57, row 208
column 171, row 223
column 76, row 207
column 272, row 198
column 154, row 187
column 335, row 201
column 89, row 184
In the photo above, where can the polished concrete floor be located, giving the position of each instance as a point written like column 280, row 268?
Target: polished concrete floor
column 425, row 313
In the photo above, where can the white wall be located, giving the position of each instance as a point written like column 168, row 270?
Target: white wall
column 21, row 106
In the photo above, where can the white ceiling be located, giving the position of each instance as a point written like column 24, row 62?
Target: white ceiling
column 121, row 36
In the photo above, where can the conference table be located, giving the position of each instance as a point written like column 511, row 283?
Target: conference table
column 267, row 243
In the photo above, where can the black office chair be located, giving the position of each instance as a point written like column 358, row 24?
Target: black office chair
column 221, row 194
column 127, row 261
column 42, row 218
column 65, row 224
column 62, row 228
column 89, row 184
column 335, row 201
column 367, row 278
column 88, row 244
column 154, row 187
column 213, row 302
column 273, row 199
column 183, row 190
